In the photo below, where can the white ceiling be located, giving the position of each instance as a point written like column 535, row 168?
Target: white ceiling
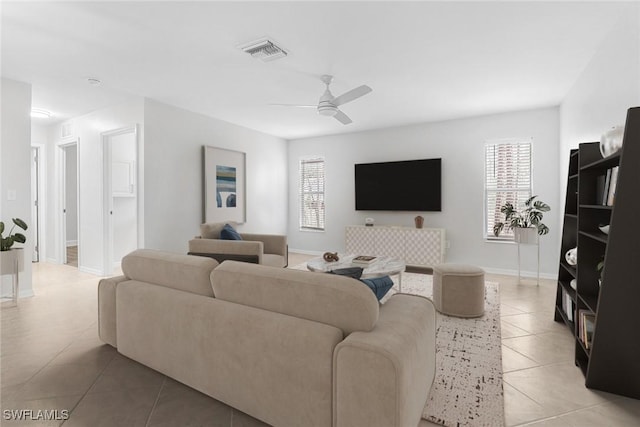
column 426, row 61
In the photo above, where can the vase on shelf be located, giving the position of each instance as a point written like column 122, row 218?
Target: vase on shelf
column 419, row 220
column 611, row 141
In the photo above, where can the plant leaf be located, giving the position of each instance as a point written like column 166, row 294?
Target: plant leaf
column 541, row 206
column 529, row 200
column 535, row 217
column 20, row 223
column 7, row 242
column 497, row 228
column 1, row 227
column 542, row 229
column 20, row 238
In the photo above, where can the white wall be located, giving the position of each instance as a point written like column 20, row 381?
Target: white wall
column 87, row 131
column 125, row 213
column 608, row 86
column 15, row 169
column 174, row 177
column 460, row 144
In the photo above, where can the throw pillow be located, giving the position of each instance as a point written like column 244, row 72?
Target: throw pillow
column 229, row 233
column 355, row 272
column 211, row 230
column 379, row 285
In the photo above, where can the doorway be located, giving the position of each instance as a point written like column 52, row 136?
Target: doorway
column 120, row 153
column 69, row 230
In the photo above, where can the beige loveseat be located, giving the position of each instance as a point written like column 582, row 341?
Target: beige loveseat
column 289, row 347
column 266, row 249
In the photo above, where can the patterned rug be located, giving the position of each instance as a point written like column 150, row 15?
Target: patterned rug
column 467, row 390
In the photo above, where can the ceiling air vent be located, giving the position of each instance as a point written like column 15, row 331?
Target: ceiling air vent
column 264, row 50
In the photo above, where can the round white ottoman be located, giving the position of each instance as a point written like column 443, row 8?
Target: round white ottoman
column 458, row 290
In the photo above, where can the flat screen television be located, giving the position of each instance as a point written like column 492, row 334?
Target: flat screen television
column 410, row 185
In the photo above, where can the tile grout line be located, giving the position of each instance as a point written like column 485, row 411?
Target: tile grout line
column 88, row 389
column 153, row 408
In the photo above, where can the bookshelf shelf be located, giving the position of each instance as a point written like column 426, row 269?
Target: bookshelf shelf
column 599, row 237
column 607, row 193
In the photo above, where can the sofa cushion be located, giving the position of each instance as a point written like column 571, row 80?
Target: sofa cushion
column 211, row 230
column 326, row 298
column 229, row 233
column 183, row 272
column 274, row 260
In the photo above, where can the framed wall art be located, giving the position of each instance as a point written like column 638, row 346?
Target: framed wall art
column 224, row 185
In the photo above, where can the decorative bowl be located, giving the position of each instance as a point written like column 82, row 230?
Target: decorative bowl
column 611, row 141
column 604, row 228
column 572, row 256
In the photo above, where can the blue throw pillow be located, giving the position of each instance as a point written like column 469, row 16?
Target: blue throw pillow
column 379, row 285
column 229, row 233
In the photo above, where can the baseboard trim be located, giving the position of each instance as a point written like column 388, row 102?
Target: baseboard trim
column 524, row 274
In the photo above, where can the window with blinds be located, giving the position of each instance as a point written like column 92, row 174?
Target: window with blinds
column 312, row 194
column 507, row 179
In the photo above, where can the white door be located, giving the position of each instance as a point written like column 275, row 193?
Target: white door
column 120, row 195
column 35, row 211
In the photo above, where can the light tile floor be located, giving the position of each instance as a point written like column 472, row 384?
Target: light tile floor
column 51, row 358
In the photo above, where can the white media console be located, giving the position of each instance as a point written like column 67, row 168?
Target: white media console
column 423, row 247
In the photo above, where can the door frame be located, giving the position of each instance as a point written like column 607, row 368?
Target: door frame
column 40, row 238
column 107, row 197
column 61, row 155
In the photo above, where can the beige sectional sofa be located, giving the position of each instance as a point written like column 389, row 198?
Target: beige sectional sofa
column 291, row 348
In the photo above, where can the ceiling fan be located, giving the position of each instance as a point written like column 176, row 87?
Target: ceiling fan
column 328, row 104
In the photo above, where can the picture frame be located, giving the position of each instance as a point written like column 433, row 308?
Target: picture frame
column 224, row 185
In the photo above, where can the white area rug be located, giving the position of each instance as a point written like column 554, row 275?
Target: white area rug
column 467, row 390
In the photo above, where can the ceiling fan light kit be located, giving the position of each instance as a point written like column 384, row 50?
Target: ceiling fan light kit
column 328, row 104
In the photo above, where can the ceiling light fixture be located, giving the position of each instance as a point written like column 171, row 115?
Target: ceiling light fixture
column 264, row 49
column 40, row 113
column 94, row 82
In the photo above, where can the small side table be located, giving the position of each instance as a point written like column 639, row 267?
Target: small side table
column 527, row 236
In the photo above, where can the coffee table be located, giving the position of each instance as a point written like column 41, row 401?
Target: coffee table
column 382, row 266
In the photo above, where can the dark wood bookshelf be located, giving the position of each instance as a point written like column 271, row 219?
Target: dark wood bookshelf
column 611, row 361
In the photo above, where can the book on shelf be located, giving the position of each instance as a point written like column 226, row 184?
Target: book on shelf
column 586, row 325
column 363, row 259
column 613, row 182
column 567, row 305
column 605, row 193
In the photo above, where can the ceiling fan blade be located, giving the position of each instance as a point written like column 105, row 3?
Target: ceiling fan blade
column 295, row 105
column 342, row 118
column 351, row 95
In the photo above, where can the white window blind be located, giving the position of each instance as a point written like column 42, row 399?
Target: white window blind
column 312, row 194
column 507, row 179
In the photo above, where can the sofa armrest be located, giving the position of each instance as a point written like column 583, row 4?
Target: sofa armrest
column 107, row 309
column 383, row 377
column 273, row 243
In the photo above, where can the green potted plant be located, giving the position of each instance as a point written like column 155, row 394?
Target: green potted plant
column 527, row 220
column 7, row 242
